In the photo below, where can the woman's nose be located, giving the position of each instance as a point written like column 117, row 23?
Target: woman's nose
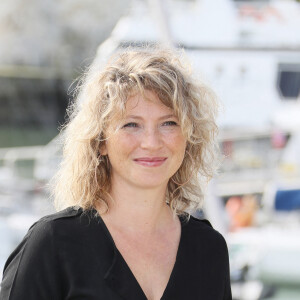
column 151, row 139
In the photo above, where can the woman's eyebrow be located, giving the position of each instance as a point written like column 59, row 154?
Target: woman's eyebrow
column 141, row 118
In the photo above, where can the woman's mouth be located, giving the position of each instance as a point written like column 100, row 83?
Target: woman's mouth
column 150, row 161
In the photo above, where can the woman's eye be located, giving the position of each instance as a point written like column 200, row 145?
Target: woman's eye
column 170, row 123
column 131, row 124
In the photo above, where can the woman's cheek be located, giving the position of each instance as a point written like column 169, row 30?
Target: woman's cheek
column 128, row 140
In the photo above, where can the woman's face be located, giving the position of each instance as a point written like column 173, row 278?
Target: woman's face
column 148, row 146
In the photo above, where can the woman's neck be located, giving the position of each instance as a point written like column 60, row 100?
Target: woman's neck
column 138, row 209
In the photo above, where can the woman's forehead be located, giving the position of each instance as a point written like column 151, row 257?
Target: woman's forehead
column 147, row 100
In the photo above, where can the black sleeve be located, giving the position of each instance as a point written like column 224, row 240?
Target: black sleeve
column 32, row 270
column 227, row 290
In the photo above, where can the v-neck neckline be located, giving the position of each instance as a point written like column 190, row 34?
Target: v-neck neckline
column 118, row 254
column 182, row 224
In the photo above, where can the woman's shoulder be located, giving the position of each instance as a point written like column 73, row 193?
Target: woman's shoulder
column 201, row 230
column 48, row 223
column 54, row 243
column 66, row 223
column 69, row 212
column 194, row 223
column 43, row 229
column 201, row 223
column 70, row 226
column 52, row 228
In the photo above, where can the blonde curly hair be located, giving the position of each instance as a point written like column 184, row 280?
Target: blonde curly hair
column 84, row 175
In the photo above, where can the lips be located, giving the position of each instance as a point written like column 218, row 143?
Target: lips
column 150, row 161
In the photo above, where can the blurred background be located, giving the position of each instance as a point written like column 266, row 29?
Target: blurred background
column 247, row 51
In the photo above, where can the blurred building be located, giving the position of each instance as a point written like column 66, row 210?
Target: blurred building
column 45, row 45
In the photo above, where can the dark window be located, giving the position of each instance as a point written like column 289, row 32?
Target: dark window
column 288, row 81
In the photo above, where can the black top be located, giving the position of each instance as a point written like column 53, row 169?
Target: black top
column 71, row 255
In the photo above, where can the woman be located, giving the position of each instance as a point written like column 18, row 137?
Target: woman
column 139, row 147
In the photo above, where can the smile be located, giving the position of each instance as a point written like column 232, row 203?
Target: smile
column 150, row 161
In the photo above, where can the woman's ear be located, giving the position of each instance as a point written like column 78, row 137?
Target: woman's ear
column 103, row 148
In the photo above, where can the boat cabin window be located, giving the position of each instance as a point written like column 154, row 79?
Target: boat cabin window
column 288, row 81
